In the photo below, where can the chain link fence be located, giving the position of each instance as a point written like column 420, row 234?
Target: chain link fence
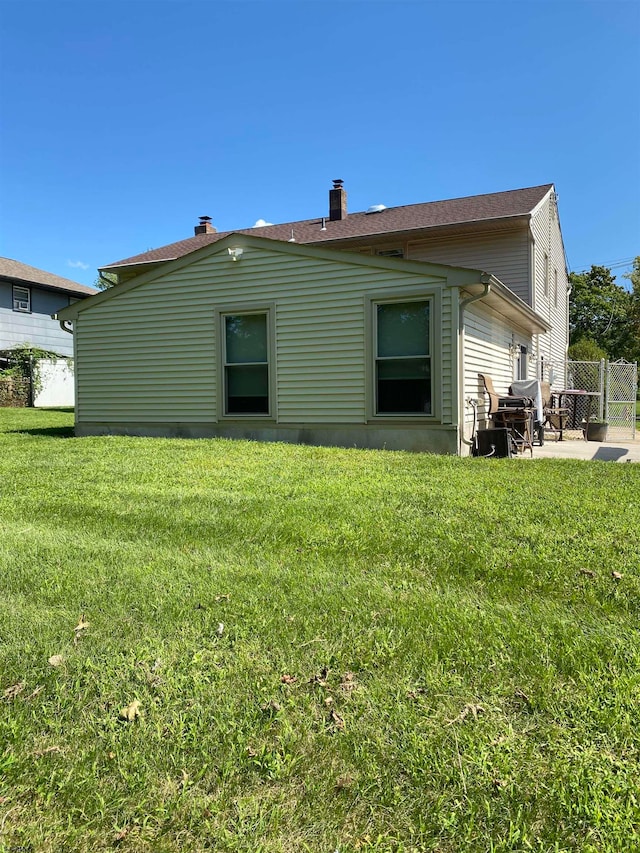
column 595, row 391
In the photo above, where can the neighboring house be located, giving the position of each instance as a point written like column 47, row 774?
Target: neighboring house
column 28, row 298
column 251, row 337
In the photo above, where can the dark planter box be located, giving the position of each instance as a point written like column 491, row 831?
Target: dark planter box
column 597, row 431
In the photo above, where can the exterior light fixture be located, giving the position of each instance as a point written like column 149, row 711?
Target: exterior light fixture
column 236, row 253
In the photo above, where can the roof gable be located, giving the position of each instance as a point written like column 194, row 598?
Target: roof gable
column 512, row 204
column 469, row 279
column 245, row 240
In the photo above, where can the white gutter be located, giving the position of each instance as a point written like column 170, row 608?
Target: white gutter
column 485, row 279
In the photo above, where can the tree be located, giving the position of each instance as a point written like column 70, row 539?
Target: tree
column 585, row 349
column 600, row 309
column 107, row 279
column 634, row 314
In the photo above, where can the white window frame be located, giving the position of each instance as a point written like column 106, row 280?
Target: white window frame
column 409, row 295
column 268, row 310
column 19, row 302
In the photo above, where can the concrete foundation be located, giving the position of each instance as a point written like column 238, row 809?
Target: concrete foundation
column 418, row 439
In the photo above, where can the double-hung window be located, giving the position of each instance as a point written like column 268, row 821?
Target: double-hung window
column 245, row 343
column 21, row 299
column 403, row 375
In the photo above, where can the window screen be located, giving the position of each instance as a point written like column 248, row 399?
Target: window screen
column 246, row 369
column 403, row 358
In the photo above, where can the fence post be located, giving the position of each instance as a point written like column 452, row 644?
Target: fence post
column 601, row 398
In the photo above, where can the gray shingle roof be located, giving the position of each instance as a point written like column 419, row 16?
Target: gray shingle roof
column 16, row 271
column 411, row 217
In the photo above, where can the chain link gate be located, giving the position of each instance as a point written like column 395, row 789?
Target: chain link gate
column 622, row 384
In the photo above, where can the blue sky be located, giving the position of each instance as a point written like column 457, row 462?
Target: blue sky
column 123, row 122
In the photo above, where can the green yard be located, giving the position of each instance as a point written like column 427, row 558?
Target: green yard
column 331, row 649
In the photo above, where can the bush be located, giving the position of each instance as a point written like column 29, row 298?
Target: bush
column 14, row 390
column 584, row 349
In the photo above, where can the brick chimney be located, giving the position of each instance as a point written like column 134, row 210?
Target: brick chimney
column 337, row 201
column 205, row 226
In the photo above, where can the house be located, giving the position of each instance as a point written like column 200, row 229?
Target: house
column 253, row 337
column 28, row 298
column 514, row 235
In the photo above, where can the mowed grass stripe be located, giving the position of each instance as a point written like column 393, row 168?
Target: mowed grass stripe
column 460, row 662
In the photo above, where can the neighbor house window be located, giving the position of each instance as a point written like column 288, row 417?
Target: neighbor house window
column 246, row 364
column 21, row 299
column 403, row 358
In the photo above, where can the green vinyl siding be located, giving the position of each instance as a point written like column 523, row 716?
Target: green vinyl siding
column 448, row 355
column 504, row 253
column 148, row 355
column 487, row 341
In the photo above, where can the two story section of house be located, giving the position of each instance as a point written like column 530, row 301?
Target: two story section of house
column 514, row 235
column 28, row 298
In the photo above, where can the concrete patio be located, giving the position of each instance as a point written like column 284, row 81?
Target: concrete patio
column 608, row 451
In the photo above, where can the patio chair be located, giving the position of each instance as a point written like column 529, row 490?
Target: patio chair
column 494, row 399
column 556, row 417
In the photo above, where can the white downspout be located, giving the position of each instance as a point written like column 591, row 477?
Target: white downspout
column 485, row 279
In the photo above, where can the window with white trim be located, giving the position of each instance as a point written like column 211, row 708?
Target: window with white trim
column 545, row 273
column 245, row 340
column 403, row 376
column 21, row 299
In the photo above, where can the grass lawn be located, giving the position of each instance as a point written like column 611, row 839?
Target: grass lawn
column 233, row 646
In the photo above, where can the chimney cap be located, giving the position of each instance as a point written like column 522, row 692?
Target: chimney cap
column 337, row 183
column 204, row 218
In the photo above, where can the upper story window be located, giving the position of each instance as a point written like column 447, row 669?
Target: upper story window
column 21, row 299
column 545, row 274
column 246, row 364
column 391, row 253
column 403, row 383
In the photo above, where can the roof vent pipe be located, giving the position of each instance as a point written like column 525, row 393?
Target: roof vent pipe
column 337, row 201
